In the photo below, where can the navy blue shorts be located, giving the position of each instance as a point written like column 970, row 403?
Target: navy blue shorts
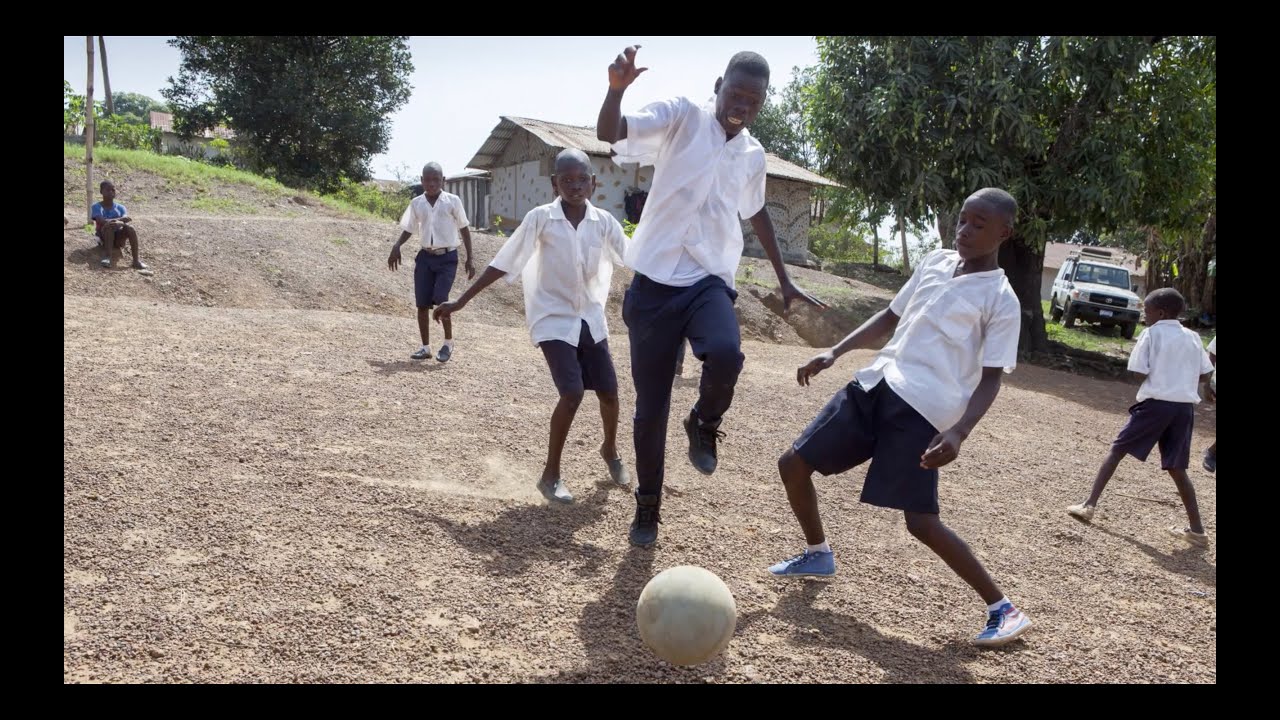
column 578, row 369
column 859, row 425
column 433, row 277
column 1163, row 422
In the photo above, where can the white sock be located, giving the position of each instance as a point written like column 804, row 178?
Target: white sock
column 447, row 343
column 823, row 546
column 998, row 604
column 425, row 347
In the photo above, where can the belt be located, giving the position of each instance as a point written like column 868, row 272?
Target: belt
column 438, row 251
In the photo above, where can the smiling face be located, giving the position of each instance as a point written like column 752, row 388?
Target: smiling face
column 739, row 97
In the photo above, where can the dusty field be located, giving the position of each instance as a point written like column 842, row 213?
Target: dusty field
column 259, row 486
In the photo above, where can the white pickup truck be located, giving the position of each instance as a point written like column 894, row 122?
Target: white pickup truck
column 1091, row 288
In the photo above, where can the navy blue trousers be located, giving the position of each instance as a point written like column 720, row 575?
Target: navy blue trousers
column 659, row 319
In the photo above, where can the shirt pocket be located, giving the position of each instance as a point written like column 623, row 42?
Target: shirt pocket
column 592, row 253
column 957, row 319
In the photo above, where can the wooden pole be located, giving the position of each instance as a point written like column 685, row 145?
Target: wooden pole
column 106, row 79
column 88, row 132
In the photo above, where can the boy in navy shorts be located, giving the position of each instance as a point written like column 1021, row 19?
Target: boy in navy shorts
column 565, row 251
column 955, row 331
column 1172, row 362
column 441, row 224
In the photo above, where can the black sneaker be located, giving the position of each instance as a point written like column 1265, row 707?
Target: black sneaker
column 702, row 443
column 444, row 352
column 423, row 353
column 644, row 529
column 1210, row 461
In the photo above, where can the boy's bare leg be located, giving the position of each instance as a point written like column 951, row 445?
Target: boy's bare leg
column 108, row 235
column 797, row 477
column 609, row 423
column 561, row 421
column 424, row 324
column 1104, row 476
column 132, row 234
column 928, row 529
column 1188, row 494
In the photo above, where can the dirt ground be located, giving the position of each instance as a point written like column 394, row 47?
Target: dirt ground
column 260, row 486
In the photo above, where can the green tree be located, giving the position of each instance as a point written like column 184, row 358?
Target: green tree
column 136, row 107
column 1086, row 132
column 308, row 110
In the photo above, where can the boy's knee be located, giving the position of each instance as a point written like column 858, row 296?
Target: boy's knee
column 921, row 525
column 607, row 398
column 571, row 397
column 792, row 466
column 724, row 357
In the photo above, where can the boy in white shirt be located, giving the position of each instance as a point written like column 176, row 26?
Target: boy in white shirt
column 955, row 331
column 708, row 172
column 441, row 222
column 1172, row 362
column 565, row 251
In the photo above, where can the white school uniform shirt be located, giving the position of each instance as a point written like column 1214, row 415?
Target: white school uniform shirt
column 1173, row 359
column 701, row 185
column 949, row 329
column 436, row 226
column 566, row 271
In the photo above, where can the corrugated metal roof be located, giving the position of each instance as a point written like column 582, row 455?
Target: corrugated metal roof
column 557, row 135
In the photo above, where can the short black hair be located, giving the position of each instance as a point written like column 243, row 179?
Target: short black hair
column 572, row 155
column 748, row 63
column 433, row 166
column 1001, row 200
column 1167, row 300
column 102, row 185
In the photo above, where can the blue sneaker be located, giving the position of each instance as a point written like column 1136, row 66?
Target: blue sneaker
column 445, row 352
column 807, row 564
column 1003, row 626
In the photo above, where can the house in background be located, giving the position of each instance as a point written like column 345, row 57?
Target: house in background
column 173, row 144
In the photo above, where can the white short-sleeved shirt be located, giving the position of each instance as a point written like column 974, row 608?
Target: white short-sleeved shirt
column 1173, row 359
column 436, row 226
column 949, row 329
column 566, row 272
column 701, row 185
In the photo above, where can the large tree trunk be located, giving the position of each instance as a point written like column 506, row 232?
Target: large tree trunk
column 947, row 228
column 1023, row 266
column 1208, row 295
column 875, row 247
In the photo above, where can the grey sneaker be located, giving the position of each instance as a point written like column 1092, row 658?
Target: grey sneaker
column 446, row 351
column 423, row 353
column 618, row 473
column 555, row 491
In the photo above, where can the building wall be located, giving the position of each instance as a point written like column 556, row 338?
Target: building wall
column 474, row 192
column 788, row 203
column 522, row 181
